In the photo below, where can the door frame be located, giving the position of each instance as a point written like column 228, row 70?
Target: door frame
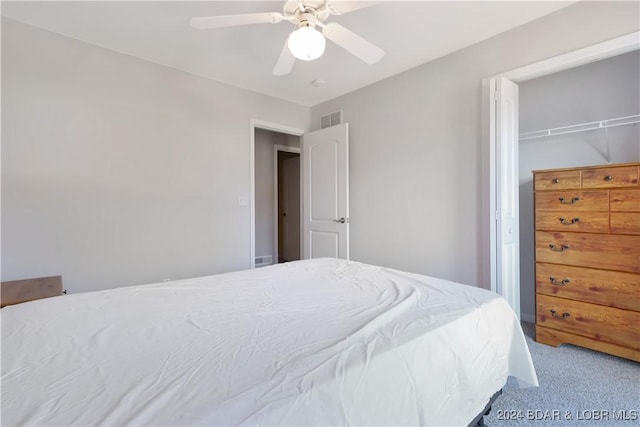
column 274, row 127
column 276, row 214
column 596, row 52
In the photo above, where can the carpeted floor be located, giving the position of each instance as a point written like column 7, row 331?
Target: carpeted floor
column 577, row 387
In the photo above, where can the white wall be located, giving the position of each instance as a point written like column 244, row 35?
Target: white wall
column 117, row 171
column 264, row 159
column 601, row 90
column 416, row 171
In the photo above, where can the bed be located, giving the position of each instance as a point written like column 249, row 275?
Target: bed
column 315, row 342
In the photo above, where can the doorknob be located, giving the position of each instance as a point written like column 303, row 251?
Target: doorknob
column 341, row 220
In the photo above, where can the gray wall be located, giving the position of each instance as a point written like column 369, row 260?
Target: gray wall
column 601, row 90
column 416, row 158
column 264, row 159
column 117, row 171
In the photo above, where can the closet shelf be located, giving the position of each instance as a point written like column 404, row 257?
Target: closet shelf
column 602, row 124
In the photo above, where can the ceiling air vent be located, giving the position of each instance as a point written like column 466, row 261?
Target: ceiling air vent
column 331, row 119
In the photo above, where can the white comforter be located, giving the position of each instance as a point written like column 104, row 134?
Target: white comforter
column 317, row 342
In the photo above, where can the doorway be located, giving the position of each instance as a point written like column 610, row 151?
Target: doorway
column 583, row 116
column 324, row 192
column 500, row 177
column 287, row 203
column 264, row 138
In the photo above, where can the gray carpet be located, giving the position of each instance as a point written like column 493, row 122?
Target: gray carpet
column 577, row 387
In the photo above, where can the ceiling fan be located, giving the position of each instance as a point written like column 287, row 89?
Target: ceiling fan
column 305, row 42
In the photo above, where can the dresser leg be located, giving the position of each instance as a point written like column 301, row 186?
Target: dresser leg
column 545, row 336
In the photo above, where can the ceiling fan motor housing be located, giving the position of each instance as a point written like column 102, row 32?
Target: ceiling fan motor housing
column 306, row 20
column 299, row 10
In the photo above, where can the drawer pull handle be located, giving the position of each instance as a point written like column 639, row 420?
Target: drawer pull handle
column 568, row 221
column 608, row 178
column 555, row 181
column 563, row 316
column 570, row 202
column 554, row 281
column 560, row 248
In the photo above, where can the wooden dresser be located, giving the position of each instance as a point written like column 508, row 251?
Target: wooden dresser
column 587, row 224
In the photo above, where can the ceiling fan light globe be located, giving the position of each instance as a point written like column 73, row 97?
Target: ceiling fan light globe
column 306, row 43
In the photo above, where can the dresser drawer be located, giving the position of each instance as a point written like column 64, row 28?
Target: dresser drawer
column 571, row 201
column 587, row 222
column 625, row 200
column 612, row 288
column 608, row 324
column 625, row 176
column 610, row 252
column 625, row 223
column 558, row 180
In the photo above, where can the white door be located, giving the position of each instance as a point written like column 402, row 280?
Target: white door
column 325, row 180
column 291, row 211
column 507, row 192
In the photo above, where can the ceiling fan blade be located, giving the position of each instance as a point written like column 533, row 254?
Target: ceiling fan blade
column 223, row 21
column 353, row 43
column 285, row 62
column 342, row 7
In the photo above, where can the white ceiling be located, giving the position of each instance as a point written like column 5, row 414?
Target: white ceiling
column 411, row 33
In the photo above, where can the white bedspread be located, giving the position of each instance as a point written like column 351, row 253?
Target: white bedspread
column 318, row 342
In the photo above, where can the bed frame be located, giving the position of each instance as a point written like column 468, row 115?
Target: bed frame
column 479, row 420
column 17, row 291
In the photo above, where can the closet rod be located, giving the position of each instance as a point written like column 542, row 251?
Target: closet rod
column 602, row 124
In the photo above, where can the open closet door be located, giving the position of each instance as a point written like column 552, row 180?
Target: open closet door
column 325, row 180
column 507, row 268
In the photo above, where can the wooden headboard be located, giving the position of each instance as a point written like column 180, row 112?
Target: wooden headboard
column 17, row 291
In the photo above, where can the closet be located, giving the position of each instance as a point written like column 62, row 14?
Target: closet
column 579, row 120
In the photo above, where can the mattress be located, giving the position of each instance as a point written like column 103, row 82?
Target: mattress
column 315, row 342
